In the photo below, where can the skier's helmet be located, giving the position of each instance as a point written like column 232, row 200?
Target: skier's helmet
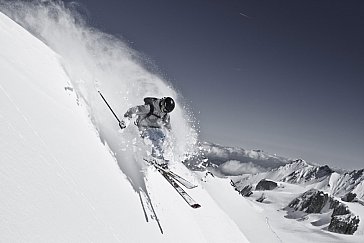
column 167, row 104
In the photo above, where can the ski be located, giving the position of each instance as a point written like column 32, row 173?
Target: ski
column 166, row 174
column 180, row 191
column 181, row 180
column 147, row 200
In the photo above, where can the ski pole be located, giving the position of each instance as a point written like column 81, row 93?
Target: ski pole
column 110, row 109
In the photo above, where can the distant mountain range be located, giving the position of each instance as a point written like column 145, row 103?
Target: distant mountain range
column 231, row 161
column 325, row 190
column 251, row 166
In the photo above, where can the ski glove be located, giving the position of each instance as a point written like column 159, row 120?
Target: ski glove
column 124, row 123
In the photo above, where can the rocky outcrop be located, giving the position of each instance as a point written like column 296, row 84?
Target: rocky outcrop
column 266, row 185
column 308, row 173
column 344, row 224
column 261, row 198
column 315, row 201
column 246, row 191
column 348, row 197
column 312, row 201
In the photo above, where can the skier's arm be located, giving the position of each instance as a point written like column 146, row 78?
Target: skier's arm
column 137, row 110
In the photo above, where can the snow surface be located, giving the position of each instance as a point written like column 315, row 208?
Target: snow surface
column 268, row 222
column 67, row 174
column 59, row 182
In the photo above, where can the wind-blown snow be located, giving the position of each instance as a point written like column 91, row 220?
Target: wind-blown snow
column 95, row 61
column 60, row 183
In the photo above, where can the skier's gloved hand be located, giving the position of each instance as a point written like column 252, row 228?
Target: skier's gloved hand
column 124, row 123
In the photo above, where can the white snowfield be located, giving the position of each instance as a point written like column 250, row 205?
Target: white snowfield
column 61, row 181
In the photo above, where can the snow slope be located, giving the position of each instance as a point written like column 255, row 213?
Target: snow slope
column 293, row 179
column 60, row 182
column 68, row 175
column 268, row 222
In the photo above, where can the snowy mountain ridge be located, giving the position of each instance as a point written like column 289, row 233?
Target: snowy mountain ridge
column 251, row 166
column 320, row 177
column 344, row 185
column 232, row 161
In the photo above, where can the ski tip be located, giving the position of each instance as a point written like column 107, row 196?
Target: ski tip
column 196, row 205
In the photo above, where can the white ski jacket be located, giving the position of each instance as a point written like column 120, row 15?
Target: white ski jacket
column 147, row 119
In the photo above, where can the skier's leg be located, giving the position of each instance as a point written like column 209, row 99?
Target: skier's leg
column 154, row 138
column 158, row 141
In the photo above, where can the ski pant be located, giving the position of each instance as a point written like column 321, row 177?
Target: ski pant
column 154, row 137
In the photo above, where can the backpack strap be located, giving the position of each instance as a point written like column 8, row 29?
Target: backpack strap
column 150, row 101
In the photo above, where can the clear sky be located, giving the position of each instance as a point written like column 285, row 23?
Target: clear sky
column 284, row 76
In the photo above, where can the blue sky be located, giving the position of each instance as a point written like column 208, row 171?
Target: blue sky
column 282, row 76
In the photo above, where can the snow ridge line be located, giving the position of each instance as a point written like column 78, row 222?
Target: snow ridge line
column 267, row 221
column 72, row 182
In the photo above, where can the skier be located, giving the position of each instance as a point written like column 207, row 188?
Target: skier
column 153, row 122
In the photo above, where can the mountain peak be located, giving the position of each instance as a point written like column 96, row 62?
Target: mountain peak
column 308, row 173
